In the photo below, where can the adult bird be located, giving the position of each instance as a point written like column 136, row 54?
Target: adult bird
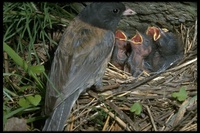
column 81, row 59
column 168, row 51
column 121, row 50
column 141, row 46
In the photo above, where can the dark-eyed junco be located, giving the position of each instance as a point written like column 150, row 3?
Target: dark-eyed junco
column 81, row 59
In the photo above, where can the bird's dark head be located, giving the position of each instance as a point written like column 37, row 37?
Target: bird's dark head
column 104, row 14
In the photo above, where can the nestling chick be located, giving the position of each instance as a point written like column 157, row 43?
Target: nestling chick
column 120, row 52
column 141, row 46
column 168, row 48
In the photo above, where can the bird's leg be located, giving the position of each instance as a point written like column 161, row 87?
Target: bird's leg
column 98, row 84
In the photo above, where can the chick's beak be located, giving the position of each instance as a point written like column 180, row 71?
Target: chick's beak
column 137, row 39
column 120, row 35
column 128, row 11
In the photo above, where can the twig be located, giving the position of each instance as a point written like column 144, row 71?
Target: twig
column 115, row 108
column 167, row 121
column 152, row 120
column 112, row 125
column 82, row 113
column 5, row 62
column 130, row 86
column 182, row 110
column 121, row 114
column 85, row 120
column 192, row 127
column 182, row 32
column 106, row 123
column 186, row 126
column 183, row 65
column 116, row 73
column 129, row 80
column 113, row 66
column 117, row 119
column 195, row 32
column 72, row 124
column 108, row 87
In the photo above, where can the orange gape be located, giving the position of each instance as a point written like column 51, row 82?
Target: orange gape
column 153, row 32
column 120, row 35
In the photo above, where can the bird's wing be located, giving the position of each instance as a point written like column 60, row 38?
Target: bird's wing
column 78, row 61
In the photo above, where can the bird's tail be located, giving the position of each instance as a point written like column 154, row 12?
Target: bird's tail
column 59, row 116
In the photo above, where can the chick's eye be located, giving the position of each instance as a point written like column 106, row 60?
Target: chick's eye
column 115, row 10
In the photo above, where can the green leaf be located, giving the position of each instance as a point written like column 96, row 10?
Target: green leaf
column 33, row 119
column 181, row 95
column 37, row 69
column 23, row 88
column 137, row 108
column 19, row 61
column 12, row 113
column 34, row 100
column 23, row 102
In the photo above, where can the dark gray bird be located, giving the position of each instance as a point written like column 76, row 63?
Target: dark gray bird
column 81, row 59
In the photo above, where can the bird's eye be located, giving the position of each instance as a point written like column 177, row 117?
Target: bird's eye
column 115, row 10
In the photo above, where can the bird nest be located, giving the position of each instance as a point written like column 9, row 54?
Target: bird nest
column 110, row 110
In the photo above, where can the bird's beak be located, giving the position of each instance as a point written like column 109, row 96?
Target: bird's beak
column 120, row 35
column 157, row 33
column 150, row 31
column 128, row 11
column 137, row 39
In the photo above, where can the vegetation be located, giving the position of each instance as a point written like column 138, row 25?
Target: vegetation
column 30, row 32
